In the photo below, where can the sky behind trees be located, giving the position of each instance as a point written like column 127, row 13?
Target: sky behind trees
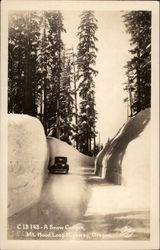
column 113, row 46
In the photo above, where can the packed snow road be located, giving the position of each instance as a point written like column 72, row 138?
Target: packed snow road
column 64, row 199
column 81, row 206
column 66, row 195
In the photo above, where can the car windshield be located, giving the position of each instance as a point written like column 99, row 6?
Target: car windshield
column 60, row 159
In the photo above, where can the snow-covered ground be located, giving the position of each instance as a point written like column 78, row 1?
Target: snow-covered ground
column 100, row 209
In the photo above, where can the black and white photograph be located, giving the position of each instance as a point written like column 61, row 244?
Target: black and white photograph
column 79, row 124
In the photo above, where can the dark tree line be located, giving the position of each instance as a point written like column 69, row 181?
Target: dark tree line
column 138, row 68
column 86, row 73
column 24, row 34
column 51, row 82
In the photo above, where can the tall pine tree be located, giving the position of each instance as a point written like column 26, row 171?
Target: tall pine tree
column 16, row 48
column 138, row 24
column 24, row 33
column 75, row 94
column 86, row 58
column 66, row 99
column 50, row 69
column 56, row 27
column 44, row 78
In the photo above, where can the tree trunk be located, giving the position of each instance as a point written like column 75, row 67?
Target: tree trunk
column 58, row 85
column 75, row 97
column 94, row 147
column 138, row 76
column 45, row 108
column 41, row 107
column 28, row 102
column 130, row 98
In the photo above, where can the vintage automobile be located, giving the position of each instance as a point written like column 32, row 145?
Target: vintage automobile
column 60, row 166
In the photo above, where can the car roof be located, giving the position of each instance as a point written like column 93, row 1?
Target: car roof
column 64, row 157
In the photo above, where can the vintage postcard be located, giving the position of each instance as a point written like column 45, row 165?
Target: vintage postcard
column 79, row 125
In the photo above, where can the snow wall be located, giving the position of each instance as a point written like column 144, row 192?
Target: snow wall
column 127, row 159
column 61, row 148
column 27, row 161
column 99, row 159
column 102, row 153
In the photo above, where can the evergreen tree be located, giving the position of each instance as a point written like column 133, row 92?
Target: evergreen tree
column 75, row 103
column 24, row 32
column 86, row 58
column 66, row 99
column 55, row 28
column 50, row 69
column 44, row 79
column 31, row 47
column 35, row 66
column 16, row 48
column 138, row 24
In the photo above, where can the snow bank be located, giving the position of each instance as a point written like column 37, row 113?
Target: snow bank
column 99, row 159
column 135, row 165
column 27, row 159
column 127, row 162
column 136, row 168
column 103, row 152
column 75, row 158
column 132, row 131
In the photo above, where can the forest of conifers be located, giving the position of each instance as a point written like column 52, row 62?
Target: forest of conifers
column 50, row 81
column 57, row 84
